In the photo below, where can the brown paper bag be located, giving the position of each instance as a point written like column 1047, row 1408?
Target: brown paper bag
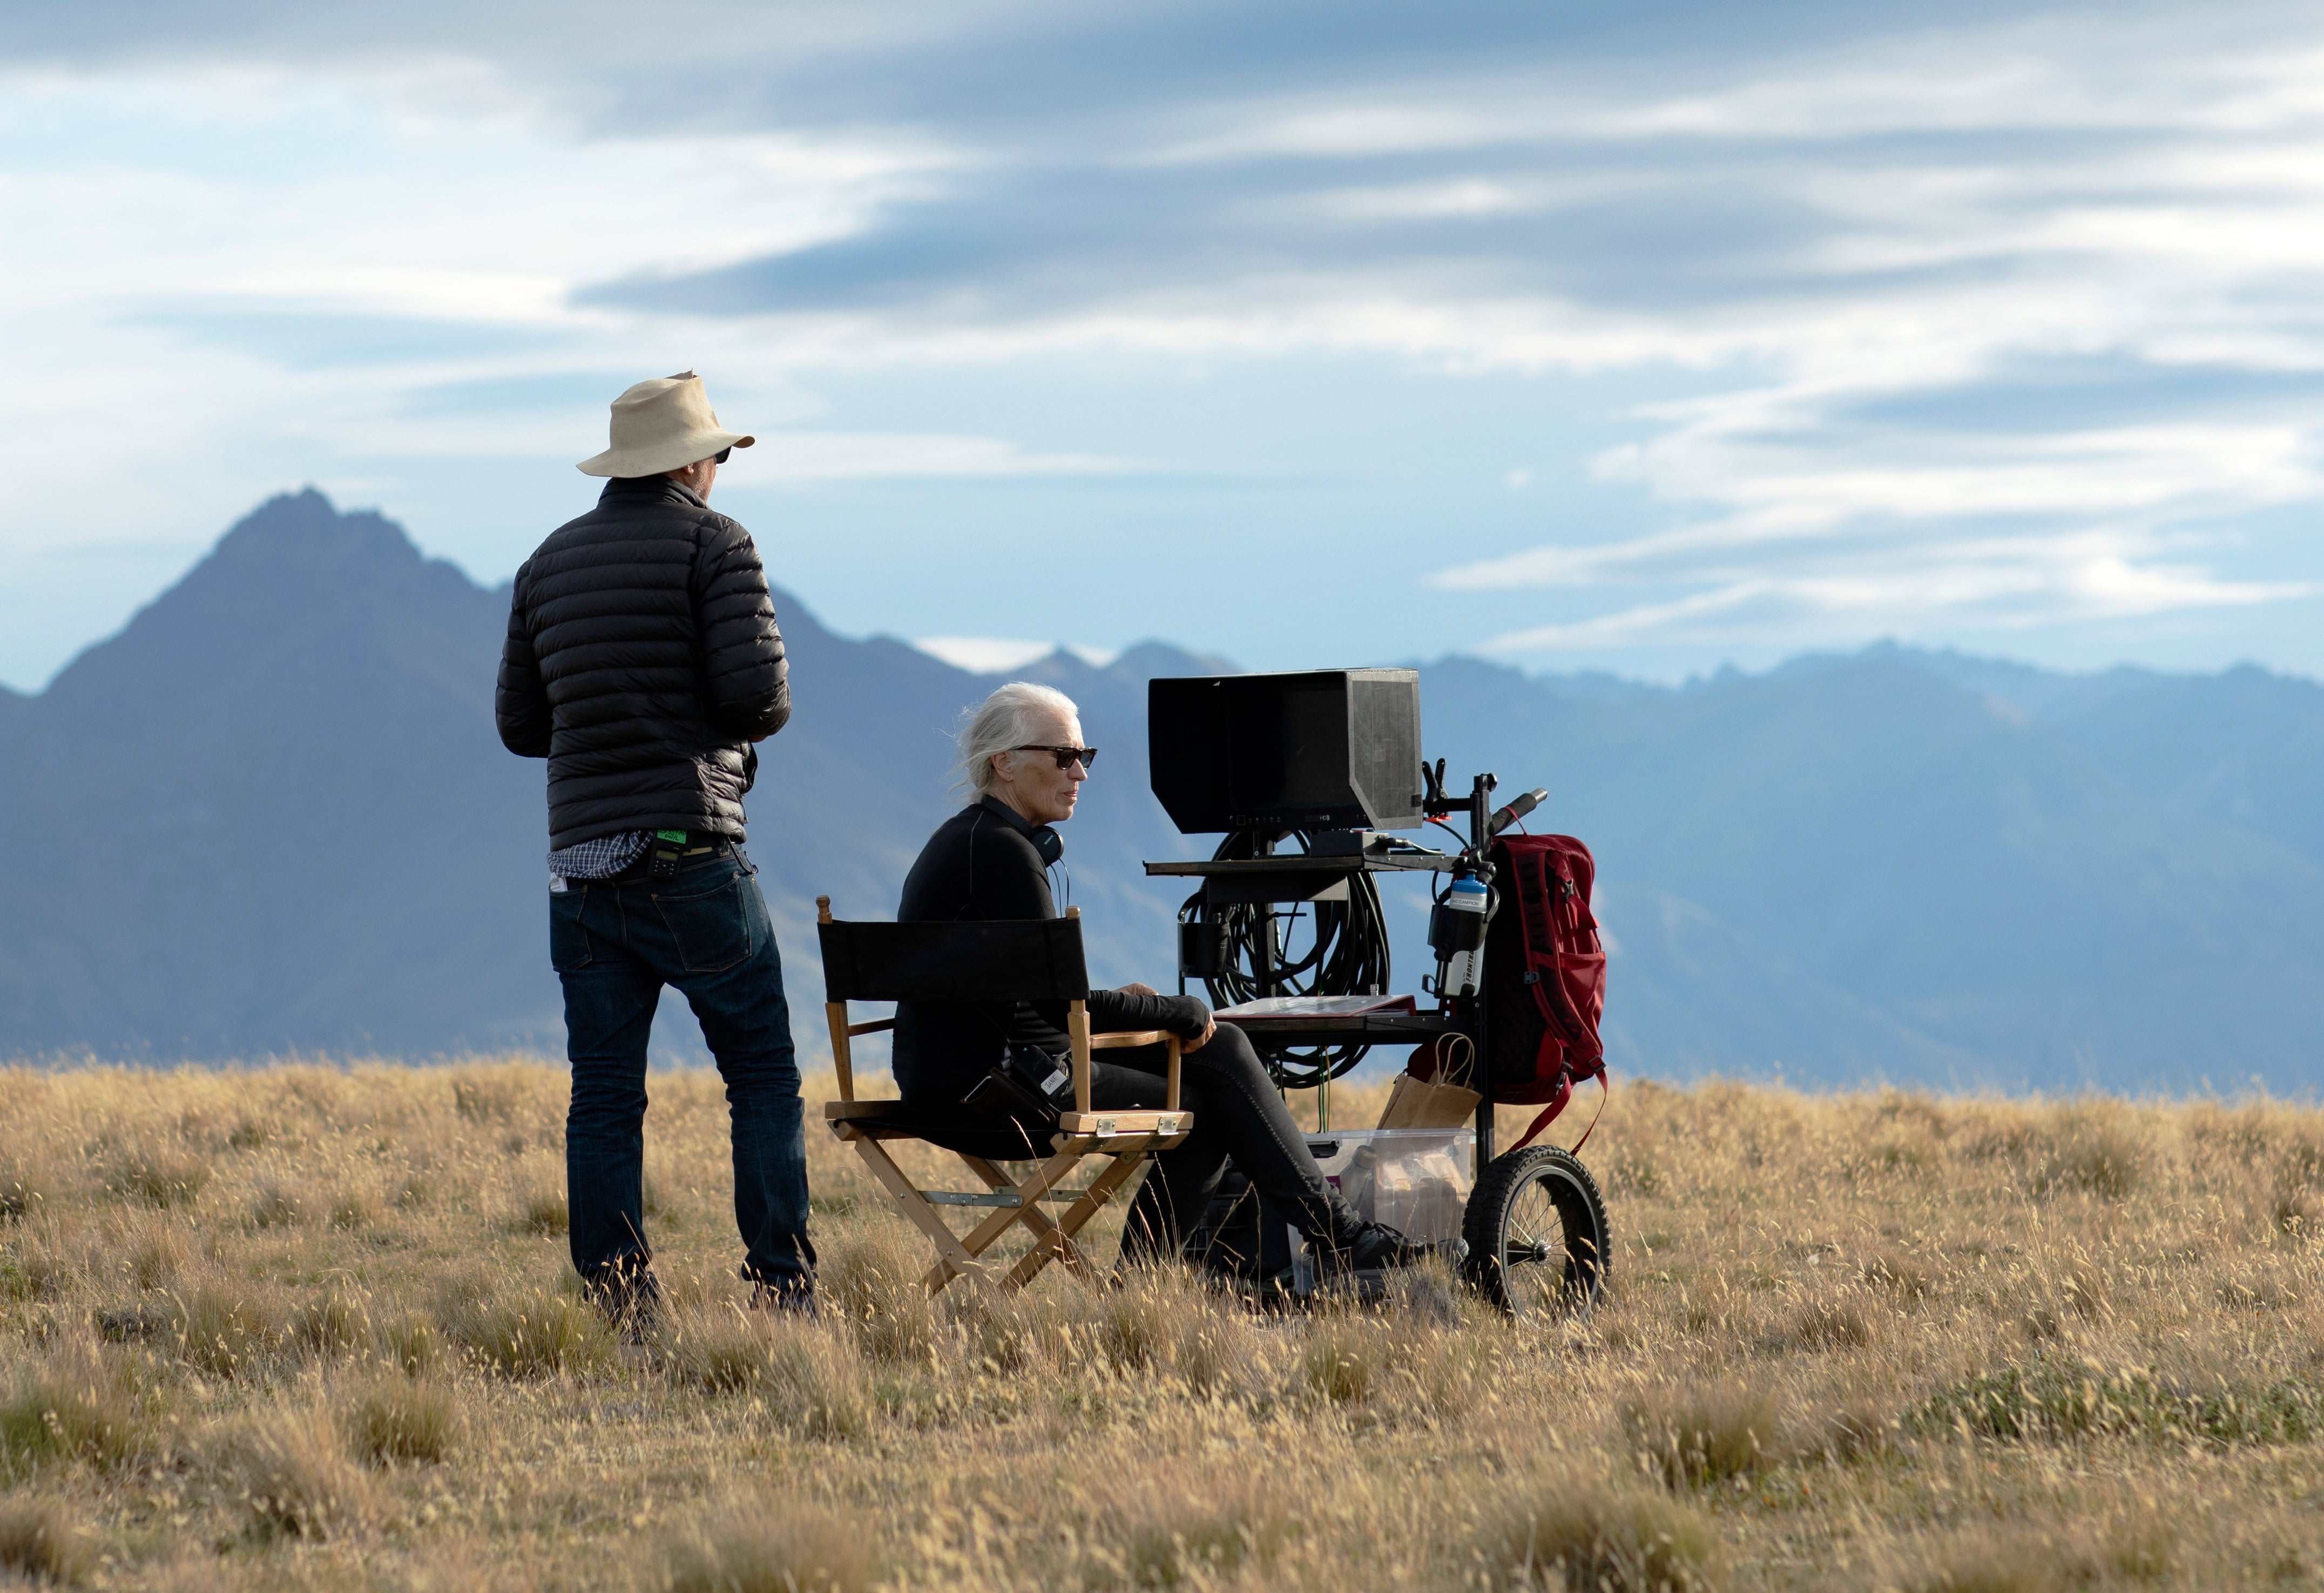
column 1413, row 1103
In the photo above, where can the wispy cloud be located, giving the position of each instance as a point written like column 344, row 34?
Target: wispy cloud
column 1997, row 586
column 1947, row 316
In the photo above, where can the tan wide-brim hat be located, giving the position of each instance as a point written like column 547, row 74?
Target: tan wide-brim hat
column 662, row 425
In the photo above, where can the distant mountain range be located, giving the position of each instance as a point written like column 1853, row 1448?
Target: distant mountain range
column 271, row 815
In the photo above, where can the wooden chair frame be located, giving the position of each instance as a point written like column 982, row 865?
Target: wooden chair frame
column 1126, row 1137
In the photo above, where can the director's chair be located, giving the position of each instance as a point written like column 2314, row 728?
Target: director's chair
column 1027, row 959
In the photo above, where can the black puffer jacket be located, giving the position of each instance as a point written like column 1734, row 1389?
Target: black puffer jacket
column 641, row 661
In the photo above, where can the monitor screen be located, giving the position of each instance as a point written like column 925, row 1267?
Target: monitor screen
column 1318, row 750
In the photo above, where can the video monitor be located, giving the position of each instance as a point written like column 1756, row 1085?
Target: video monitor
column 1317, row 750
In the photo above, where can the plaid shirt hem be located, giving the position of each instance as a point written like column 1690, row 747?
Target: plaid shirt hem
column 601, row 859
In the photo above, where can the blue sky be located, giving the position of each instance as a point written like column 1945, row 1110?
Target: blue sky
column 1577, row 336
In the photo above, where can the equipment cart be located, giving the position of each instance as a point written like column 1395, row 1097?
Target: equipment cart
column 1289, row 908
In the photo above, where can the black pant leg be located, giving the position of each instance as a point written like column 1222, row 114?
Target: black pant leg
column 1177, row 1188
column 1238, row 1114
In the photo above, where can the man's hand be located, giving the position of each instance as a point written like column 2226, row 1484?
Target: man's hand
column 1135, row 989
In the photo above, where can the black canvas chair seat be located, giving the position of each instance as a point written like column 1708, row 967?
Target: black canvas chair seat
column 1034, row 959
column 993, row 1142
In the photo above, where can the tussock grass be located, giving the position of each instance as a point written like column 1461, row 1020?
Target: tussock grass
column 303, row 1327
column 1175, row 1526
column 287, row 1476
column 250, row 1133
column 160, row 1177
column 350, row 1209
column 414, row 1191
column 1161, row 1320
column 1836, row 1322
column 493, row 1094
column 1341, row 1362
column 156, row 1256
column 23, row 1191
column 1702, row 1435
column 536, row 1334
column 336, row 1324
column 543, row 1214
column 392, row 1420
column 1902, row 1276
column 77, row 1404
column 35, row 1268
column 276, row 1206
column 723, row 1349
column 1573, row 1530
column 2058, row 1398
column 226, row 1328
column 1001, row 1332
column 816, row 1384
column 41, row 1541
column 804, row 1373
column 748, row 1544
column 873, row 1284
column 2006, row 1558
column 411, row 1343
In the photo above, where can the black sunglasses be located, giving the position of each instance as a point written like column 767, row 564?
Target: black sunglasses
column 1066, row 756
column 720, row 457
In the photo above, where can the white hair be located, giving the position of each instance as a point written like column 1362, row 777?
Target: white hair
column 1001, row 723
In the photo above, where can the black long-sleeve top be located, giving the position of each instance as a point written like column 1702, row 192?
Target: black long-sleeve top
column 981, row 864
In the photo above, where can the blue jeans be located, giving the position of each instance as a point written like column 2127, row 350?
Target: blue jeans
column 704, row 931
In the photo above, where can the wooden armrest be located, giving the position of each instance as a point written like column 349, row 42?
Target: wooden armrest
column 1114, row 1042
column 854, row 1029
column 862, row 1109
column 1140, row 1120
column 1114, row 1133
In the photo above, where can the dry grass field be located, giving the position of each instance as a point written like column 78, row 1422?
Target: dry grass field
column 309, row 1327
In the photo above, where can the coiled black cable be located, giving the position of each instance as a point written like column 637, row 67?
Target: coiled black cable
column 1345, row 954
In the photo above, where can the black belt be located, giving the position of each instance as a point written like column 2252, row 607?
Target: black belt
column 660, row 856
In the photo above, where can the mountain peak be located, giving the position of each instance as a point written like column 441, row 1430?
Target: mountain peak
column 295, row 579
column 307, row 528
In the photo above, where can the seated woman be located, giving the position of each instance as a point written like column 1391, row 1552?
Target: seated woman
column 1022, row 756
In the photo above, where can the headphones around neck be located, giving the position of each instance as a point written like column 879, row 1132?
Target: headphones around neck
column 1046, row 842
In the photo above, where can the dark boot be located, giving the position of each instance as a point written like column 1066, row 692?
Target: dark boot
column 629, row 1297
column 773, row 1297
column 1368, row 1246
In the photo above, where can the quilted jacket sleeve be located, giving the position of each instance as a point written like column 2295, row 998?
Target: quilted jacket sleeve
column 742, row 649
column 521, row 701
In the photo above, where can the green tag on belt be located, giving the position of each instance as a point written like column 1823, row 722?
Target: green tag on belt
column 675, row 837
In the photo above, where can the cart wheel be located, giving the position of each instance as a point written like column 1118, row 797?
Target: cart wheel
column 1538, row 1237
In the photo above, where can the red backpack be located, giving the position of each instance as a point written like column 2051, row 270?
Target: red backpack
column 1545, row 978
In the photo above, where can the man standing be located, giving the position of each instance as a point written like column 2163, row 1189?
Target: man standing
column 642, row 661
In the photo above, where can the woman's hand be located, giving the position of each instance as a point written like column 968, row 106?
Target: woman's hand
column 1194, row 1043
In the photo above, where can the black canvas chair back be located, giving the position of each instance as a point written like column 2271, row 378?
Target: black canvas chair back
column 1014, row 960
column 1023, row 960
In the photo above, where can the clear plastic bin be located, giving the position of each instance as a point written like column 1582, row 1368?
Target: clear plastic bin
column 1414, row 1180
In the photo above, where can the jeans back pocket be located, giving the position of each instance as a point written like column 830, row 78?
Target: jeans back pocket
column 712, row 929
